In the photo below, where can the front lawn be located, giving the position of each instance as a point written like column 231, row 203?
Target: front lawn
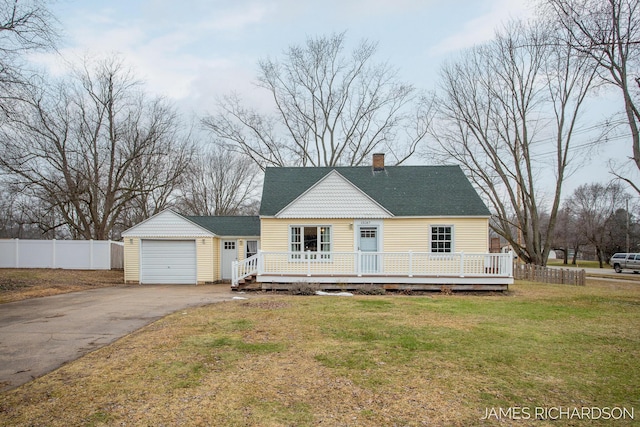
column 579, row 264
column 23, row 283
column 358, row 361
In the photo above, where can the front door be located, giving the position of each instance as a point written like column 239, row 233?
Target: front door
column 368, row 245
column 229, row 254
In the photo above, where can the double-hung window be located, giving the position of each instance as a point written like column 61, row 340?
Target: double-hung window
column 310, row 242
column 441, row 238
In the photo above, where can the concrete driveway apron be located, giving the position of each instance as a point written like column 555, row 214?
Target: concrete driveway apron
column 39, row 335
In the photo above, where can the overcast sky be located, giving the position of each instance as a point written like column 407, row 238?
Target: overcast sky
column 193, row 51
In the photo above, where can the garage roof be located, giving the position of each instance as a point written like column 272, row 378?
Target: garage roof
column 172, row 224
column 167, row 224
column 229, row 225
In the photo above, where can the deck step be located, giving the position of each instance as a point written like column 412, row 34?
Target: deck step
column 247, row 281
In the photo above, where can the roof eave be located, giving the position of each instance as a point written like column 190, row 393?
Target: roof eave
column 126, row 233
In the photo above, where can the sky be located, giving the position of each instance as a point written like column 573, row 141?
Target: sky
column 195, row 51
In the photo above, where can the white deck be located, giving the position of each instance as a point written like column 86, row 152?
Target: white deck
column 393, row 268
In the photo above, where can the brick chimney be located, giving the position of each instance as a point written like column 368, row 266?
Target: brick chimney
column 378, row 162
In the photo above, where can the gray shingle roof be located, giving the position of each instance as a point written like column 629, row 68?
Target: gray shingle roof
column 402, row 190
column 229, row 225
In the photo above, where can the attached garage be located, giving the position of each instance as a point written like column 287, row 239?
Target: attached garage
column 170, row 248
column 168, row 261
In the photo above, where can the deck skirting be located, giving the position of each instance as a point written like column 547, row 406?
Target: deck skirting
column 388, row 283
column 367, row 280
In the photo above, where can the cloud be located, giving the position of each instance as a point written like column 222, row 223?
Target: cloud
column 237, row 19
column 169, row 51
column 482, row 28
column 380, row 7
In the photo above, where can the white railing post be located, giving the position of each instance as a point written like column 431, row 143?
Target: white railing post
column 410, row 263
column 308, row 253
column 461, row 264
column 359, row 263
column 260, row 262
column 510, row 264
column 234, row 273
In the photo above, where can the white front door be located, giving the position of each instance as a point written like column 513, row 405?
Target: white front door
column 367, row 243
column 229, row 254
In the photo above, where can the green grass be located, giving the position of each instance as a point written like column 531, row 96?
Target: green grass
column 372, row 360
column 579, row 264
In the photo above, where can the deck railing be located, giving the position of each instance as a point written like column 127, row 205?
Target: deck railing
column 409, row 264
column 244, row 268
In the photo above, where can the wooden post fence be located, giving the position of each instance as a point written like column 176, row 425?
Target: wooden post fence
column 559, row 276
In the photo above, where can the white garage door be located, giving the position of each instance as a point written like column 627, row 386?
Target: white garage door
column 168, row 261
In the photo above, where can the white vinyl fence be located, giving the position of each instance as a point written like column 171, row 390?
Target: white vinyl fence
column 65, row 254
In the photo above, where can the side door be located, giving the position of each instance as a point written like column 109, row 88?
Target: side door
column 229, row 254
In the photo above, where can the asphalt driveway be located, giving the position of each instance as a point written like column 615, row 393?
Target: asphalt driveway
column 39, row 335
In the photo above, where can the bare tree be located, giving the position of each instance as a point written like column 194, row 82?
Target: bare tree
column 595, row 206
column 330, row 109
column 507, row 113
column 14, row 221
column 608, row 32
column 622, row 230
column 91, row 146
column 220, row 182
column 567, row 236
column 24, row 26
column 158, row 178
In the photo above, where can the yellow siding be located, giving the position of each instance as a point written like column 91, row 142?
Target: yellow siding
column 470, row 235
column 399, row 234
column 242, row 249
column 206, row 265
column 404, row 234
column 275, row 233
column 132, row 260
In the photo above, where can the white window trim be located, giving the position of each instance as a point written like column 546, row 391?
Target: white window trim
column 453, row 238
column 304, row 255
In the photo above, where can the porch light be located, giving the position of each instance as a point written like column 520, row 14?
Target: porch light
column 203, row 241
column 131, row 241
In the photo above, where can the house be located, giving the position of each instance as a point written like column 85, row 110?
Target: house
column 173, row 248
column 417, row 227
